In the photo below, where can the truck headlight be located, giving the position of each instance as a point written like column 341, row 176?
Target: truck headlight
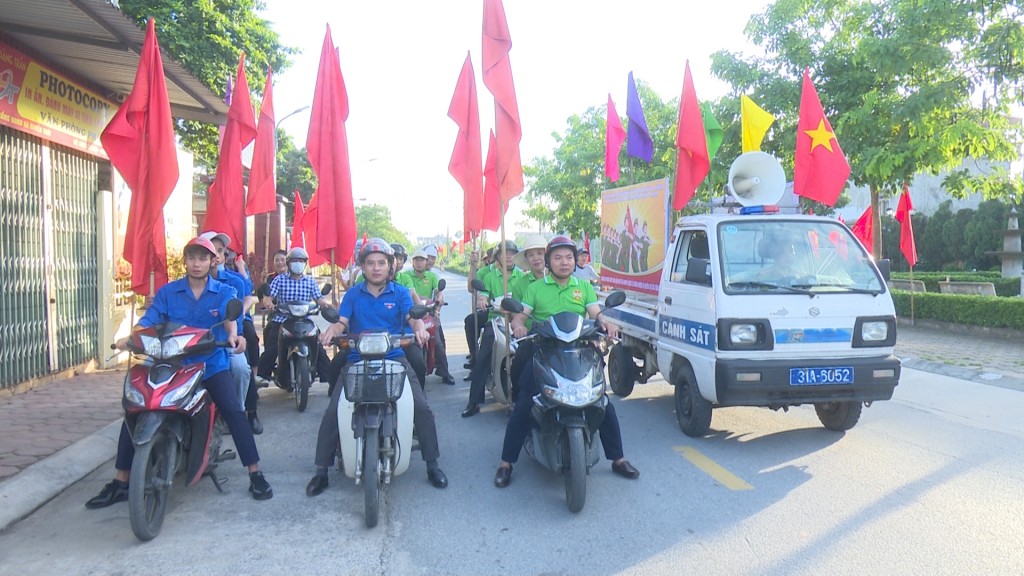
column 874, row 331
column 742, row 334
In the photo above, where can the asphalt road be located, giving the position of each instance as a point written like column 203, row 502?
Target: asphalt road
column 928, row 483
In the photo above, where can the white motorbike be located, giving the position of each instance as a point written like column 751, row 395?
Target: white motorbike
column 499, row 384
column 375, row 414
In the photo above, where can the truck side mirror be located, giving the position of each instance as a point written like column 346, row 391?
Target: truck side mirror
column 698, row 272
column 884, row 268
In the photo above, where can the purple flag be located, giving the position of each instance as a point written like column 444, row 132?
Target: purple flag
column 638, row 138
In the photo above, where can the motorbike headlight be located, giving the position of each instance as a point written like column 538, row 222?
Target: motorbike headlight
column 175, row 345
column 574, row 393
column 374, row 344
column 133, row 396
column 298, row 310
column 151, row 345
column 176, row 395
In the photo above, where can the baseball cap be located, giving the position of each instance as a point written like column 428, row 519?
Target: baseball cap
column 211, row 236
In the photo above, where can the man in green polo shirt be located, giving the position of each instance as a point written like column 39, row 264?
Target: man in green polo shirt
column 558, row 292
column 423, row 284
column 496, row 283
column 531, row 260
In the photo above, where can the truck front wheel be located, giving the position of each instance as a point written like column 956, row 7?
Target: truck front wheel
column 839, row 416
column 692, row 411
column 621, row 371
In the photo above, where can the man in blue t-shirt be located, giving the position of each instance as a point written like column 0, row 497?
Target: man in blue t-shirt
column 377, row 304
column 201, row 302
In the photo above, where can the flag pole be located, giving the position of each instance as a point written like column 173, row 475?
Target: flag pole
column 504, row 290
column 334, row 271
column 912, row 295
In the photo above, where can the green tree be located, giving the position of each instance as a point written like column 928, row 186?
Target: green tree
column 207, row 37
column 375, row 220
column 899, row 80
column 984, row 233
column 565, row 190
column 293, row 170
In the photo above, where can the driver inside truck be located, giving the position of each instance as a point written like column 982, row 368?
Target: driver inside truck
column 781, row 250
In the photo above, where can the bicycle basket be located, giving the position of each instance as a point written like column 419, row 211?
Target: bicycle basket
column 374, row 381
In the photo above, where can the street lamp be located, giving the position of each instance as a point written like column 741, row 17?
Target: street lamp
column 289, row 115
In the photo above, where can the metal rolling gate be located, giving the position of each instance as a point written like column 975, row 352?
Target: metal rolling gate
column 48, row 314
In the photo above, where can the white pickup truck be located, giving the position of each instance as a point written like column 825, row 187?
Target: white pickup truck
column 762, row 310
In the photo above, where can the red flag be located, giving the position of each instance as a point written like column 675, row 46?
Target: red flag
column 864, row 228
column 327, row 146
column 692, row 162
column 614, row 136
column 629, row 223
column 365, row 238
column 497, row 42
column 309, row 226
column 139, row 140
column 465, row 164
column 262, row 195
column 297, row 229
column 907, row 244
column 492, row 206
column 820, row 169
column 838, row 240
column 225, row 201
column 586, row 241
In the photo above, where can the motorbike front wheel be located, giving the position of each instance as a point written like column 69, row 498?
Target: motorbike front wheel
column 576, row 475
column 371, row 476
column 151, row 478
column 301, row 382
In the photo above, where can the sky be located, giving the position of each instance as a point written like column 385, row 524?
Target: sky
column 401, row 60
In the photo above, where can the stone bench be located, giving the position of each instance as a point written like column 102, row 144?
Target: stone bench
column 974, row 288
column 908, row 285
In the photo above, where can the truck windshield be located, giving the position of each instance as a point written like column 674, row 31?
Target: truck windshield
column 773, row 256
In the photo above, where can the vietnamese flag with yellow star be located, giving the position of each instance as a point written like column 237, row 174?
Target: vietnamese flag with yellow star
column 820, row 170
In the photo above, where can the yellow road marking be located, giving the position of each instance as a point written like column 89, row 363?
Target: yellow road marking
column 713, row 469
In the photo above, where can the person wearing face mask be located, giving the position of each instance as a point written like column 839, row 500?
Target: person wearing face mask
column 294, row 286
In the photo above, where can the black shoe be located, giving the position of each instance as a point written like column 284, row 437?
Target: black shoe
column 437, row 478
column 503, row 476
column 468, row 365
column 467, row 378
column 471, row 410
column 626, row 470
column 115, row 491
column 317, row 485
column 255, row 424
column 259, row 486
column 447, row 379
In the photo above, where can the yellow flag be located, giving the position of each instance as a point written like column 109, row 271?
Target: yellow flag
column 755, row 123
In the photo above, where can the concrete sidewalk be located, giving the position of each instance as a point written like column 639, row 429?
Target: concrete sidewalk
column 59, row 432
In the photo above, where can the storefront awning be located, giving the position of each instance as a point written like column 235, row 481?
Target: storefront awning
column 97, row 44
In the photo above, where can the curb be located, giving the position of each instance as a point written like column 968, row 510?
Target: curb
column 36, row 485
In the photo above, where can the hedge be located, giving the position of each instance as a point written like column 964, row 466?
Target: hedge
column 989, row 311
column 1004, row 286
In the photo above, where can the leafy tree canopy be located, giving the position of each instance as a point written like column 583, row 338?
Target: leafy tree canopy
column 375, row 220
column 207, row 37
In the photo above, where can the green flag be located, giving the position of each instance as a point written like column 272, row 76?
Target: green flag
column 712, row 130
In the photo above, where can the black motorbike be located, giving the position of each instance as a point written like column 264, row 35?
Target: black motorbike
column 297, row 347
column 569, row 370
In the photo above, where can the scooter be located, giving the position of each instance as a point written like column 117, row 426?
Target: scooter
column 566, row 415
column 499, row 384
column 377, row 407
column 430, row 322
column 173, row 422
column 297, row 347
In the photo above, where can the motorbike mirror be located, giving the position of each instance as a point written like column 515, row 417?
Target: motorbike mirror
column 263, row 291
column 330, row 314
column 510, row 305
column 616, row 298
column 326, row 289
column 478, row 285
column 418, row 312
column 234, row 309
column 441, row 284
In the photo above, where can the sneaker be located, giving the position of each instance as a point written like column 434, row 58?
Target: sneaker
column 115, row 491
column 259, row 486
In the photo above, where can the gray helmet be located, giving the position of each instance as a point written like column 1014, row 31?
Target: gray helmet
column 376, row 245
column 297, row 253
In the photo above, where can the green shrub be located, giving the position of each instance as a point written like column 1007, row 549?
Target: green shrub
column 989, row 311
column 1004, row 286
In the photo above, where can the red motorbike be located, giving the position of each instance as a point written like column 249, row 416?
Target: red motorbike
column 172, row 420
column 430, row 322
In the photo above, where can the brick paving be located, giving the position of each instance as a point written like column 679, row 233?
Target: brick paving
column 40, row 422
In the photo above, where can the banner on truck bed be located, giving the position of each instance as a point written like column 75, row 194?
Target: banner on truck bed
column 633, row 236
